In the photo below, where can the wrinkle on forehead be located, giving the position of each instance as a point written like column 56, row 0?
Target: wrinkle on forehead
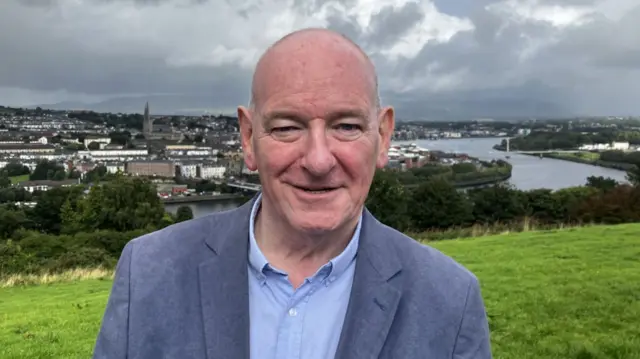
column 313, row 56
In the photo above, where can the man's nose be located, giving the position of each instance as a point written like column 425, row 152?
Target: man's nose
column 318, row 159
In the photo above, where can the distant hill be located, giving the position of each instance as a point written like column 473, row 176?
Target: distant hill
column 518, row 102
column 158, row 104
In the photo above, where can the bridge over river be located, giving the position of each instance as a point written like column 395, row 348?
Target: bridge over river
column 548, row 151
column 529, row 172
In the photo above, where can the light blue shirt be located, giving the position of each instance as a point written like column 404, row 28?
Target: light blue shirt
column 305, row 323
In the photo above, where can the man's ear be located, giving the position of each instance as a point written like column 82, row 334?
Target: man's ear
column 246, row 137
column 387, row 122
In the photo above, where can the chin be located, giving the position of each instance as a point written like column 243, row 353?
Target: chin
column 316, row 222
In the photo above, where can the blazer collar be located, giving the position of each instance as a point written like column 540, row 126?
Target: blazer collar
column 225, row 303
column 374, row 297
column 224, row 291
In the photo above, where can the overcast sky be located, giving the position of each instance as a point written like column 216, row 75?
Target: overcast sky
column 582, row 55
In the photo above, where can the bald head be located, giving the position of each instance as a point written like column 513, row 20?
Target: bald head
column 312, row 52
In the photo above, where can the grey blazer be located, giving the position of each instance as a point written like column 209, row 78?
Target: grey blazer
column 182, row 292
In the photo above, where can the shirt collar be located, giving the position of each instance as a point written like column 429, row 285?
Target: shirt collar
column 259, row 262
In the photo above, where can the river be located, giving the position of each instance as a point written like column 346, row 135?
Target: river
column 528, row 172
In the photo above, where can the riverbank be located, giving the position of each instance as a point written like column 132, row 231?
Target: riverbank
column 587, row 160
column 475, row 183
column 482, row 182
column 202, row 198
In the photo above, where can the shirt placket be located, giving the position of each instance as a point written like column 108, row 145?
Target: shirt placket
column 292, row 326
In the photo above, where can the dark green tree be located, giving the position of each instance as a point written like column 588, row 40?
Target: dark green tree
column 497, row 203
column 602, row 183
column 387, row 200
column 436, row 204
column 633, row 175
column 16, row 169
column 5, row 181
column 47, row 170
column 184, row 213
column 47, row 211
column 123, row 204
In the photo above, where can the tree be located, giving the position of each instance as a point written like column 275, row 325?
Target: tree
column 602, row 183
column 16, row 169
column 123, row 204
column 463, row 167
column 47, row 212
column 5, row 181
column 93, row 146
column 96, row 174
column 497, row 203
column 11, row 221
column 633, row 175
column 59, row 176
column 436, row 204
column 47, row 170
column 184, row 213
column 387, row 200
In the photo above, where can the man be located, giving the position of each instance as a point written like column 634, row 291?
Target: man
column 302, row 270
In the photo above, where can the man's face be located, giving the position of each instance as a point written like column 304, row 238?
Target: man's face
column 316, row 138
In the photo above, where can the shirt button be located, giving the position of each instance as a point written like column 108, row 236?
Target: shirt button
column 293, row 312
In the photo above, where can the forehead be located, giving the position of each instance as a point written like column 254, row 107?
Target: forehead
column 314, row 79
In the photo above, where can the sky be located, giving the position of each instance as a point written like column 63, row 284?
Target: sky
column 433, row 58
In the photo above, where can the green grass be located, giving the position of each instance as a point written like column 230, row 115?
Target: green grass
column 51, row 321
column 589, row 156
column 19, row 179
column 570, row 294
column 566, row 294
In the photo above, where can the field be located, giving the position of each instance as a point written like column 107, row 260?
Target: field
column 19, row 179
column 570, row 294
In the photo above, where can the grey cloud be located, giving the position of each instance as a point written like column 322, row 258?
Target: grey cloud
column 310, row 7
column 51, row 3
column 345, row 25
column 568, row 2
column 389, row 24
column 593, row 68
column 487, row 25
column 51, row 62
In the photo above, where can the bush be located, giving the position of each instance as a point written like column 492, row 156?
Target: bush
column 82, row 258
column 38, row 253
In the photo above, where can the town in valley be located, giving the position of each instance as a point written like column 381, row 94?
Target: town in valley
column 191, row 156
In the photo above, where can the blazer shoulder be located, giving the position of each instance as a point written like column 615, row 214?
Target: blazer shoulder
column 423, row 261
column 186, row 237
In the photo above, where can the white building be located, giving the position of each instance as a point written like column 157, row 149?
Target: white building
column 103, row 141
column 212, row 171
column 45, row 185
column 113, row 155
column 617, row 146
column 189, row 170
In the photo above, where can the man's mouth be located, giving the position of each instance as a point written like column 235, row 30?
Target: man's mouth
column 316, row 190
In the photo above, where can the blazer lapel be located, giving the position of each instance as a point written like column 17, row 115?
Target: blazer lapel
column 224, row 293
column 374, row 300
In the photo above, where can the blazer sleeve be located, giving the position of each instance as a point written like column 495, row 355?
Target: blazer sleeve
column 112, row 340
column 473, row 341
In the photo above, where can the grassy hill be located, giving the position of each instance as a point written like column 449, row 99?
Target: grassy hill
column 570, row 294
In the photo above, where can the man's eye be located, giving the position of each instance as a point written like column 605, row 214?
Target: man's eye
column 349, row 127
column 284, row 129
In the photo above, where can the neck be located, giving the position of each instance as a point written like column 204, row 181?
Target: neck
column 297, row 253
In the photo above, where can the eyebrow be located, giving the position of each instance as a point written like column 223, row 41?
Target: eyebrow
column 330, row 116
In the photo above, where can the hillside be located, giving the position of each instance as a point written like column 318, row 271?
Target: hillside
column 564, row 294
